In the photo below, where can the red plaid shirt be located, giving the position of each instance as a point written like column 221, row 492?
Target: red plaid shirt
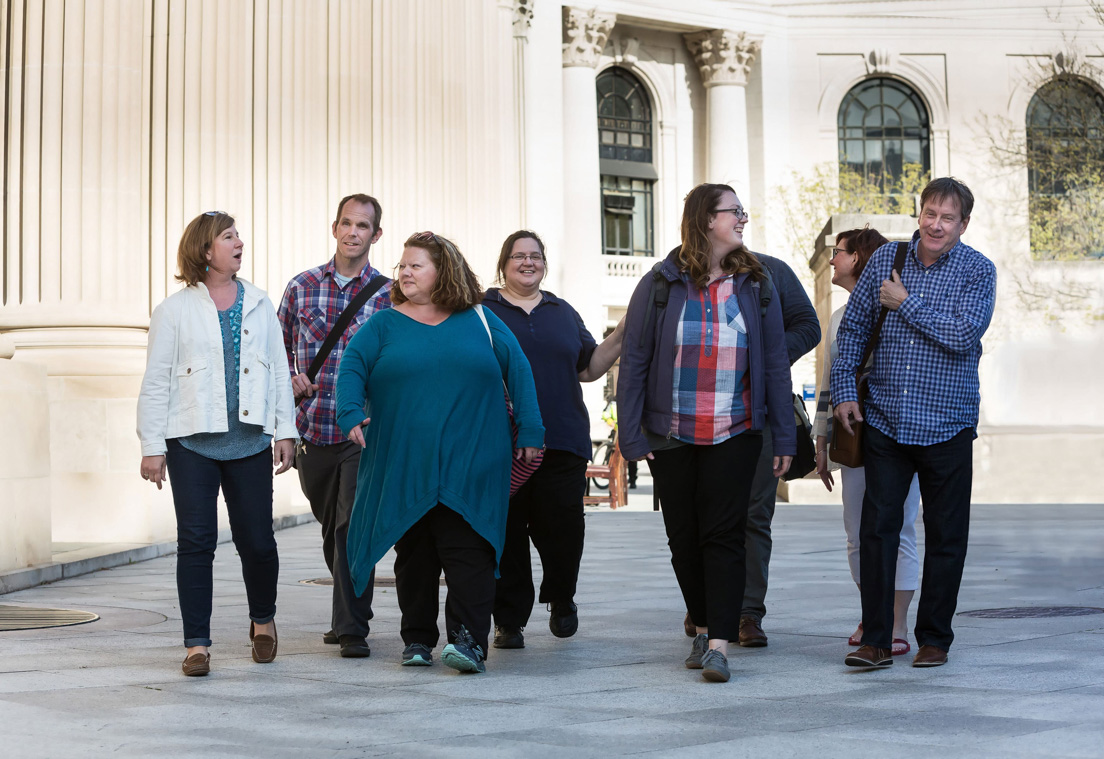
column 312, row 302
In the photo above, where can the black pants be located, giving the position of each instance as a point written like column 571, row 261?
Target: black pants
column 757, row 538
column 443, row 539
column 328, row 476
column 549, row 509
column 247, row 488
column 705, row 491
column 945, row 471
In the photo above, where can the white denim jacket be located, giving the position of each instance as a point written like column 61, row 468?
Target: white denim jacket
column 184, row 388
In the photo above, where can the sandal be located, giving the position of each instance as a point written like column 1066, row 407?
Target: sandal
column 856, row 639
column 901, row 646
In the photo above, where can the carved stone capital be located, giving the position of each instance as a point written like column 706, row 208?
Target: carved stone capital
column 585, row 33
column 523, row 17
column 723, row 57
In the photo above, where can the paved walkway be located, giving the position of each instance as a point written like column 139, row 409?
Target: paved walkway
column 1012, row 688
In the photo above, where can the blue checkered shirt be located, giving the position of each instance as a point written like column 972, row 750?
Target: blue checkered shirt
column 923, row 386
column 312, row 302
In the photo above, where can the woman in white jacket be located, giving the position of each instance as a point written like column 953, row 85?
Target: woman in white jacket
column 853, row 249
column 215, row 394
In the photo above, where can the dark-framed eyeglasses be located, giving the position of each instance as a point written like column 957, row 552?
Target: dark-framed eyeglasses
column 837, row 251
column 426, row 236
column 739, row 212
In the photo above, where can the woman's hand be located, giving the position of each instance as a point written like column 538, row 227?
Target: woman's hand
column 153, row 469
column 782, row 465
column 283, row 453
column 647, row 456
column 526, row 454
column 356, row 434
column 822, row 462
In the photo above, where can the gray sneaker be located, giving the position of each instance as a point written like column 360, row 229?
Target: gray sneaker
column 714, row 666
column 697, row 651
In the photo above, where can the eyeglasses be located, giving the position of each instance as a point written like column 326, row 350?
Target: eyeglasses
column 425, row 237
column 534, row 257
column 837, row 251
column 215, row 213
column 738, row 212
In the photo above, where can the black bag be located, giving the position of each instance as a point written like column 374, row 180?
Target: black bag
column 804, row 461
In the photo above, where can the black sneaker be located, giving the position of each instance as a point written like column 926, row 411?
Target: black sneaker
column 330, row 638
column 564, row 621
column 508, row 637
column 417, row 655
column 354, row 647
column 463, row 654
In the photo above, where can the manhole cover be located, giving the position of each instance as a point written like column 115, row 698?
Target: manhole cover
column 31, row 618
column 1031, row 612
column 381, row 582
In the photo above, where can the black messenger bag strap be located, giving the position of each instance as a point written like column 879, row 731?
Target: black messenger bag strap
column 898, row 265
column 342, row 323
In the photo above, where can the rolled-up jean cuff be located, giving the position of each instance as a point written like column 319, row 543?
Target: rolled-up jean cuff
column 189, row 642
column 262, row 620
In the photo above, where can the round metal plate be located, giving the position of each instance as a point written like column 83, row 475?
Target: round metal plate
column 1032, row 612
column 32, row 618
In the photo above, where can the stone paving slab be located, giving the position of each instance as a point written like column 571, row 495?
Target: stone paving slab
column 1013, row 687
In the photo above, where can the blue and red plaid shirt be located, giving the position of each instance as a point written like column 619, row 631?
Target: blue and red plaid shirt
column 312, row 302
column 711, row 397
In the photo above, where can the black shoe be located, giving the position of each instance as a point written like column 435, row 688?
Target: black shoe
column 508, row 637
column 354, row 647
column 329, row 638
column 564, row 621
column 463, row 654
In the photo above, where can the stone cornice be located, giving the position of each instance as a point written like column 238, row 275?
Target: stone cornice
column 585, row 32
column 723, row 57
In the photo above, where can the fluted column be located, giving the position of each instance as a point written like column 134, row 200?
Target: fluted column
column 724, row 59
column 584, row 33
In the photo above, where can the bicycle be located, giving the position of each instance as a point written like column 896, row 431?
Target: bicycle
column 602, row 451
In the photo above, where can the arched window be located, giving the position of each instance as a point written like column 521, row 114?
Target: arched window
column 625, row 153
column 1065, row 169
column 884, row 135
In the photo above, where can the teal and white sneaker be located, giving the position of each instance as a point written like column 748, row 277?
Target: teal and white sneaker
column 417, row 655
column 697, row 651
column 463, row 654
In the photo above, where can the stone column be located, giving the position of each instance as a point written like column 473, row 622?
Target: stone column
column 584, row 33
column 724, row 59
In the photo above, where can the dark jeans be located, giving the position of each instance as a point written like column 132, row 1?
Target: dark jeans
column 549, row 509
column 247, row 488
column 705, row 491
column 757, row 540
column 328, row 476
column 443, row 539
column 945, row 471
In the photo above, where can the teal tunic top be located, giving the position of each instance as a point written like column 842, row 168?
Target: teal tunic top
column 439, row 432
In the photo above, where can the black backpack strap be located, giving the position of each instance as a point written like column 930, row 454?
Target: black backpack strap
column 659, row 293
column 342, row 323
column 766, row 291
column 898, row 265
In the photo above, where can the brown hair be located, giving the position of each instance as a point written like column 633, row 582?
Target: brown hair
column 949, row 187
column 360, row 197
column 863, row 244
column 456, row 287
column 508, row 247
column 696, row 250
column 191, row 254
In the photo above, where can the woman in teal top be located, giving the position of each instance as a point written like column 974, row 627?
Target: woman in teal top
column 420, row 387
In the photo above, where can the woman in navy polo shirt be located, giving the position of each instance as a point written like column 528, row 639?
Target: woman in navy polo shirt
column 549, row 507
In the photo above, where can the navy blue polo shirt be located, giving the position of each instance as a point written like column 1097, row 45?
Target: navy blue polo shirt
column 558, row 347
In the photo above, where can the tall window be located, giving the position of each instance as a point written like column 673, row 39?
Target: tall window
column 884, row 138
column 1065, row 169
column 625, row 154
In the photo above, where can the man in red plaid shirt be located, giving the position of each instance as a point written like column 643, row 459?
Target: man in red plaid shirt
column 326, row 461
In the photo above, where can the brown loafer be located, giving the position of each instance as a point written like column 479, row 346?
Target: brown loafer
column 264, row 646
column 197, row 665
column 688, row 626
column 869, row 656
column 751, row 633
column 929, row 656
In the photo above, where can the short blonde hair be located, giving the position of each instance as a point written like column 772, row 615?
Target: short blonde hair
column 191, row 255
column 457, row 287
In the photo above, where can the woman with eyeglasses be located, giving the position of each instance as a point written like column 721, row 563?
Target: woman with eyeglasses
column 420, row 388
column 548, row 508
column 216, row 393
column 854, row 248
column 703, row 370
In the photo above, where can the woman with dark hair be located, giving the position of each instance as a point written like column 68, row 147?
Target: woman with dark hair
column 700, row 378
column 420, row 388
column 215, row 394
column 854, row 248
column 549, row 507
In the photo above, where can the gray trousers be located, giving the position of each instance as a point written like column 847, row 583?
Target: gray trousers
column 328, row 476
column 757, row 534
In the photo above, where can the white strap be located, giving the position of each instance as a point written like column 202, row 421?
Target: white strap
column 483, row 318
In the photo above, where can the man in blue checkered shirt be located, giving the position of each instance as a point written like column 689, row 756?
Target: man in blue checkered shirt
column 326, row 461
column 920, row 414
